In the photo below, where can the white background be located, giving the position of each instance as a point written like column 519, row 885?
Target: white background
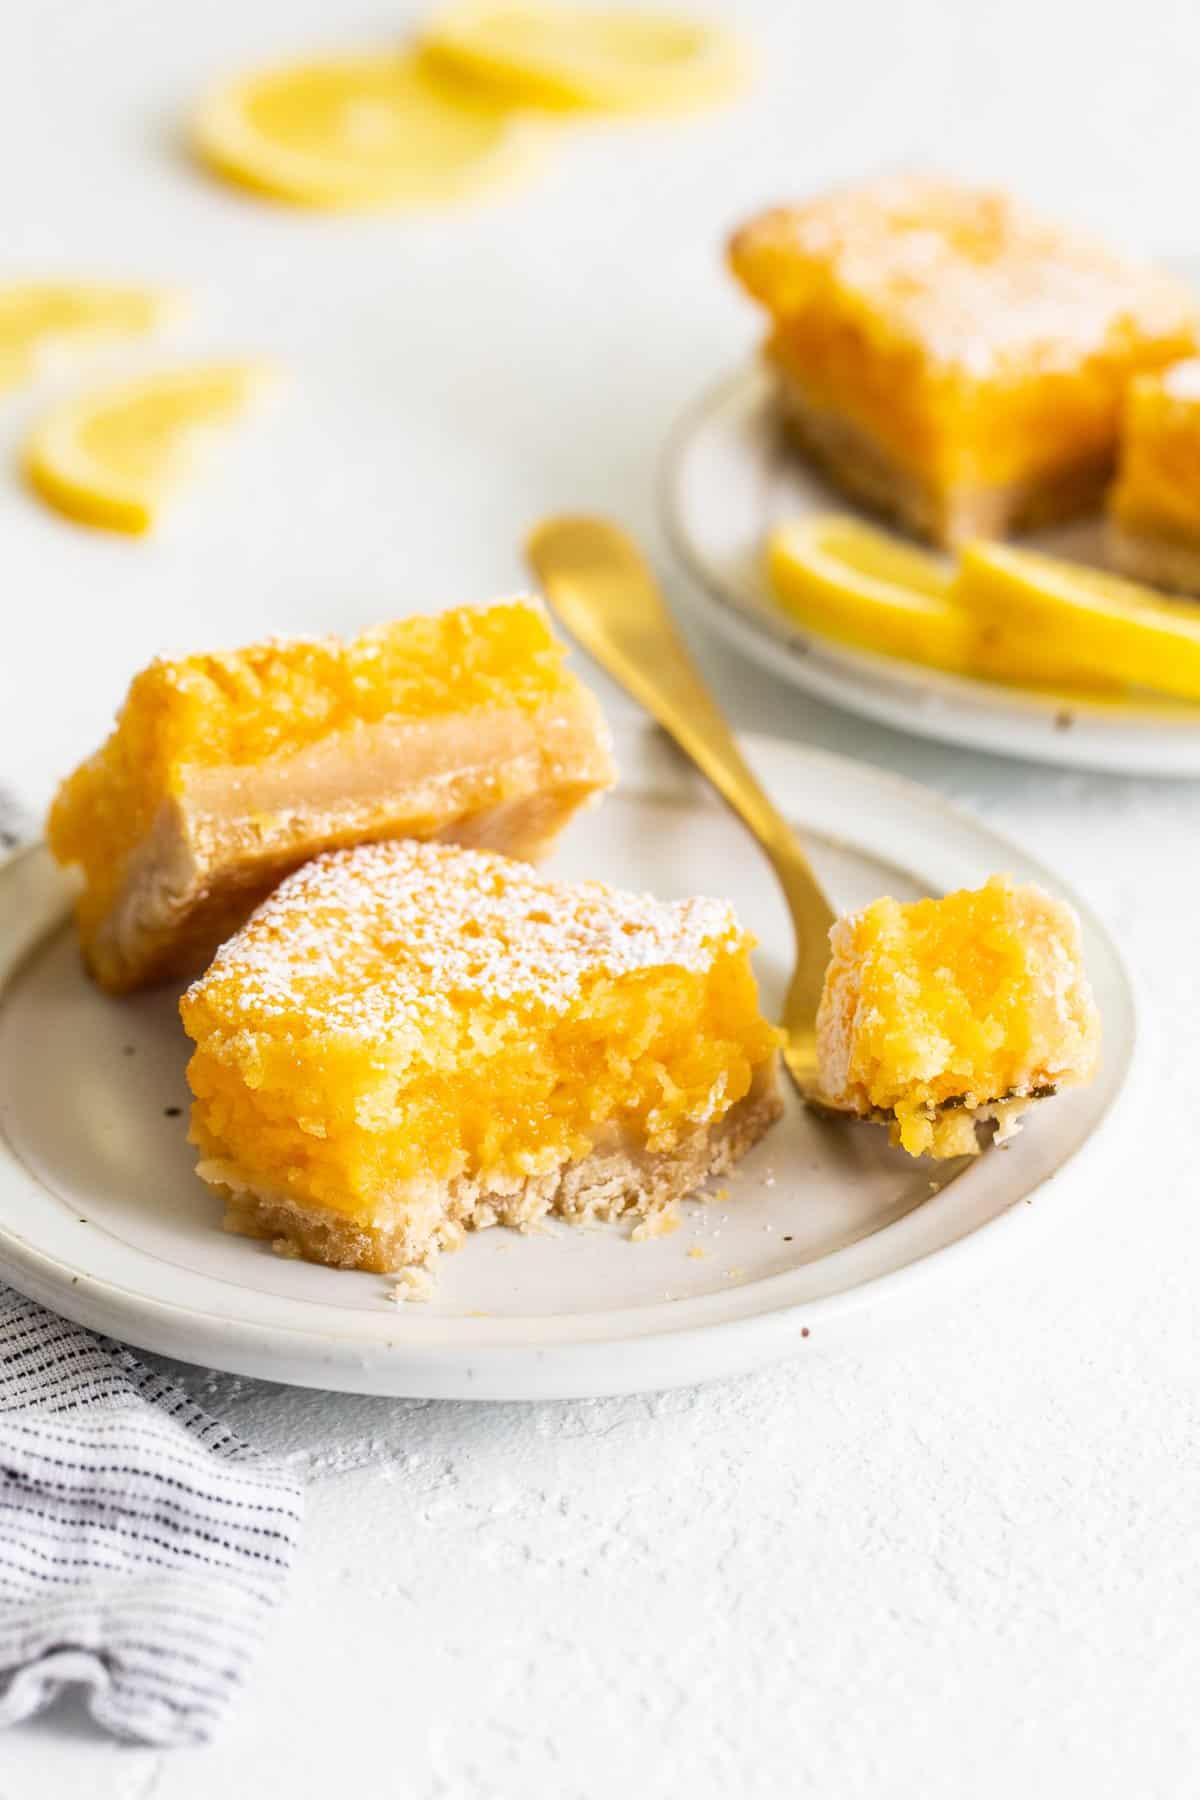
column 966, row 1562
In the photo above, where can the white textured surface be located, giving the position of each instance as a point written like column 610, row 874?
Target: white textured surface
column 967, row 1563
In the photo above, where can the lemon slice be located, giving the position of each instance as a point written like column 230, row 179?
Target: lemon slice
column 861, row 586
column 39, row 317
column 113, row 457
column 360, row 131
column 567, row 58
column 1037, row 607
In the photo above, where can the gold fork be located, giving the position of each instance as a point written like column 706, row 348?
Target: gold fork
column 598, row 583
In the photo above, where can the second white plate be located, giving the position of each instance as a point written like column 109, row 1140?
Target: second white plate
column 730, row 474
column 823, row 1231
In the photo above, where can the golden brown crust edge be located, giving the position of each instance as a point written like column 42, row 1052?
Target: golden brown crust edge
column 608, row 1184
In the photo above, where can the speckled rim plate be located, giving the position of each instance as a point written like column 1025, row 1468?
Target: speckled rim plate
column 823, row 1234
column 729, row 475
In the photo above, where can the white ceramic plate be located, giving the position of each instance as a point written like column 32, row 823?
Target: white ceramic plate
column 730, row 474
column 822, row 1232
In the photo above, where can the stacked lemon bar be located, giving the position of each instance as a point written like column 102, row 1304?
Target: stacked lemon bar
column 405, row 1032
column 950, row 357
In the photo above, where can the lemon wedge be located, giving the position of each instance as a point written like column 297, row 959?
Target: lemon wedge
column 861, row 586
column 858, row 585
column 113, row 457
column 1036, row 607
column 358, row 131
column 40, row 317
column 571, row 59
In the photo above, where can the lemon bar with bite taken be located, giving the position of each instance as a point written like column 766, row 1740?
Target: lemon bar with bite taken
column 1154, row 505
column 941, row 1014
column 408, row 1041
column 226, row 771
column 950, row 357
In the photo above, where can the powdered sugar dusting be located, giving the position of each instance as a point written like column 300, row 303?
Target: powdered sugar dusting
column 374, row 940
column 972, row 276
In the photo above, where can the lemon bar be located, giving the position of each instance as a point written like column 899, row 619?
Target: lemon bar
column 948, row 356
column 944, row 1013
column 1154, row 505
column 408, row 1041
column 226, row 771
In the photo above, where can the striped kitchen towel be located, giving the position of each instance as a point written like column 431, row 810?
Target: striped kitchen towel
column 142, row 1544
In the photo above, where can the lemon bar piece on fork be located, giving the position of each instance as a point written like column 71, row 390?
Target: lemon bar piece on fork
column 227, row 771
column 409, row 1040
column 942, row 1014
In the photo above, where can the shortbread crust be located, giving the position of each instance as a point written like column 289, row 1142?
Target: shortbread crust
column 617, row 1181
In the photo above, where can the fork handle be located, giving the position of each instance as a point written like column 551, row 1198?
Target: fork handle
column 599, row 584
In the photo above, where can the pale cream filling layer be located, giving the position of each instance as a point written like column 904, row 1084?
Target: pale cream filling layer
column 409, row 763
column 508, row 778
